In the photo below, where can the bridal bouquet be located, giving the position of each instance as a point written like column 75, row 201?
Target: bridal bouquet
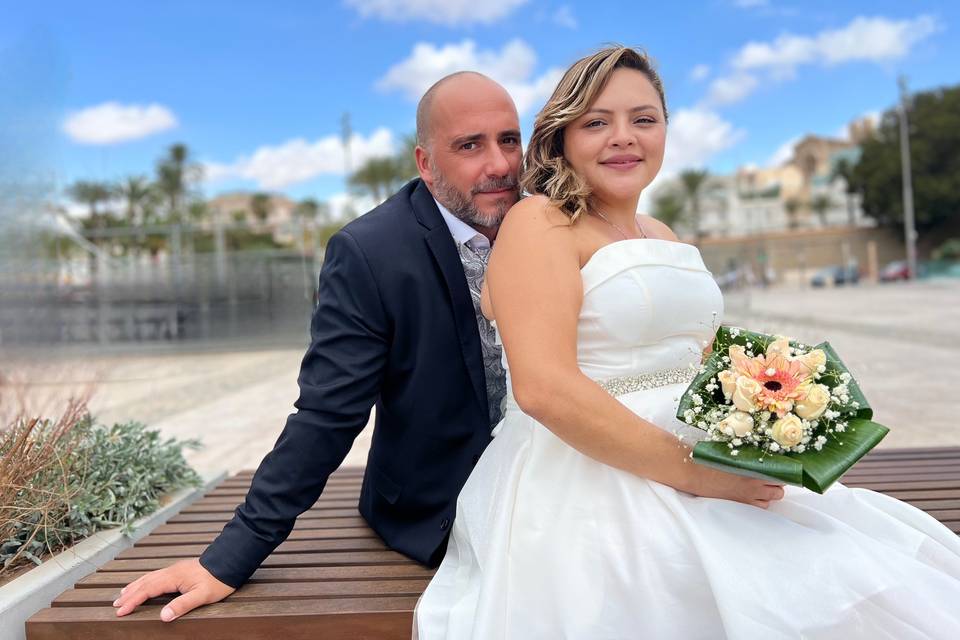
column 777, row 409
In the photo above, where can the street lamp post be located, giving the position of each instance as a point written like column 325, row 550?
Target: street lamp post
column 909, row 231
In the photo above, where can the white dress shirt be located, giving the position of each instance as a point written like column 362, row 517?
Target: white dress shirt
column 462, row 232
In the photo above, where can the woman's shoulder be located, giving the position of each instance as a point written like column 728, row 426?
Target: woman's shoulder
column 532, row 217
column 534, row 210
column 658, row 228
column 535, row 219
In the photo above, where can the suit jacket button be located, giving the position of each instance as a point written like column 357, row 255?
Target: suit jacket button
column 444, row 524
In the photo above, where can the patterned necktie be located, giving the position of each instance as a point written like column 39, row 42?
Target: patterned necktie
column 474, row 259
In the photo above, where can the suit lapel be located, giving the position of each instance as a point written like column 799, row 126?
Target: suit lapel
column 444, row 251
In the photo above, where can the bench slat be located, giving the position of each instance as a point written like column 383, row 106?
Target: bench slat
column 334, row 578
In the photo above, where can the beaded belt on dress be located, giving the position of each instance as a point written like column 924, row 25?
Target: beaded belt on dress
column 629, row 384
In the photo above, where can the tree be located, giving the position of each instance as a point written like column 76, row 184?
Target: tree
column 176, row 176
column 91, row 193
column 378, row 177
column 821, row 204
column 693, row 182
column 934, row 119
column 668, row 209
column 793, row 206
column 407, row 160
column 844, row 169
column 198, row 211
column 313, row 211
column 135, row 191
column 260, row 205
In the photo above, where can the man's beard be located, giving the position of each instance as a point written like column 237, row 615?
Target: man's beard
column 464, row 208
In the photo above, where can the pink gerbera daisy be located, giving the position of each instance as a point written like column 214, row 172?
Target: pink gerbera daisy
column 782, row 382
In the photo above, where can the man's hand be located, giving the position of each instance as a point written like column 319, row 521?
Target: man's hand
column 187, row 577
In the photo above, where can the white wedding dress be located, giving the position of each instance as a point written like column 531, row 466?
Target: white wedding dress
column 551, row 544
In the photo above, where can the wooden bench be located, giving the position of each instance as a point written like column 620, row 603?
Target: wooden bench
column 335, row 579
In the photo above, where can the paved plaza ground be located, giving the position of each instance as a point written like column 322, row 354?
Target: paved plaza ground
column 901, row 341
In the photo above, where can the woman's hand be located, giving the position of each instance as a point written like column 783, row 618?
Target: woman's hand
column 712, row 483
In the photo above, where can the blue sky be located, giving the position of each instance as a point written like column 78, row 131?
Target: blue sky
column 257, row 91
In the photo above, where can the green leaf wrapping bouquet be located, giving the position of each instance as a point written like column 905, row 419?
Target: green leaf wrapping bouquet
column 777, row 409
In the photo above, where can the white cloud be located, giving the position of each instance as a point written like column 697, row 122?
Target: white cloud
column 448, row 12
column 732, row 88
column 694, row 136
column 345, row 205
column 564, row 17
column 298, row 160
column 112, row 122
column 783, row 153
column 700, row 72
column 512, row 66
column 864, row 39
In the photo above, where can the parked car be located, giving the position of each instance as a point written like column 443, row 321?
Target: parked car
column 898, row 270
column 836, row 275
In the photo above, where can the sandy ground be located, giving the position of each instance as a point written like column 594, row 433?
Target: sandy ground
column 901, row 341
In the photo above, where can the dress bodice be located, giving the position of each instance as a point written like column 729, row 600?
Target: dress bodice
column 648, row 305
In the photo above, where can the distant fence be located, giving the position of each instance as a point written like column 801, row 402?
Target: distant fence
column 105, row 300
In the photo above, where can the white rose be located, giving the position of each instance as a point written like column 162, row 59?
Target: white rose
column 745, row 391
column 813, row 406
column 788, row 431
column 739, row 423
column 812, row 360
column 728, row 381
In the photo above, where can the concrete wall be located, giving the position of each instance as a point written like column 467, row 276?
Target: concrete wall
column 798, row 253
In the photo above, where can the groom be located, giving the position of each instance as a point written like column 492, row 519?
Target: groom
column 396, row 326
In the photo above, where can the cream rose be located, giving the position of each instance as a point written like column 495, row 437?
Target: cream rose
column 781, row 345
column 738, row 423
column 788, row 431
column 728, row 381
column 744, row 392
column 812, row 360
column 813, row 406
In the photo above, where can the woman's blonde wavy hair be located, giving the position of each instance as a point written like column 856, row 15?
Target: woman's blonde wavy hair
column 545, row 169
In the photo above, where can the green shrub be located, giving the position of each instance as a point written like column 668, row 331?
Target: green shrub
column 63, row 481
column 949, row 250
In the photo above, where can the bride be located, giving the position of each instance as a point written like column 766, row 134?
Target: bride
column 585, row 518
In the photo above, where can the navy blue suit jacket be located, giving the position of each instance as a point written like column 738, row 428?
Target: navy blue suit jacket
column 394, row 326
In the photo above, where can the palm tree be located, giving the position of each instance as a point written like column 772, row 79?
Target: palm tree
column 844, row 169
column 91, row 193
column 693, row 182
column 821, row 204
column 379, row 177
column 792, row 205
column 668, row 209
column 310, row 210
column 260, row 205
column 176, row 175
column 135, row 190
column 407, row 160
column 198, row 211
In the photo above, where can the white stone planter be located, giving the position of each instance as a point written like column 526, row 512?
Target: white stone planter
column 36, row 589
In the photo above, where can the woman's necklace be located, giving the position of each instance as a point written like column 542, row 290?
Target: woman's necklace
column 617, row 227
